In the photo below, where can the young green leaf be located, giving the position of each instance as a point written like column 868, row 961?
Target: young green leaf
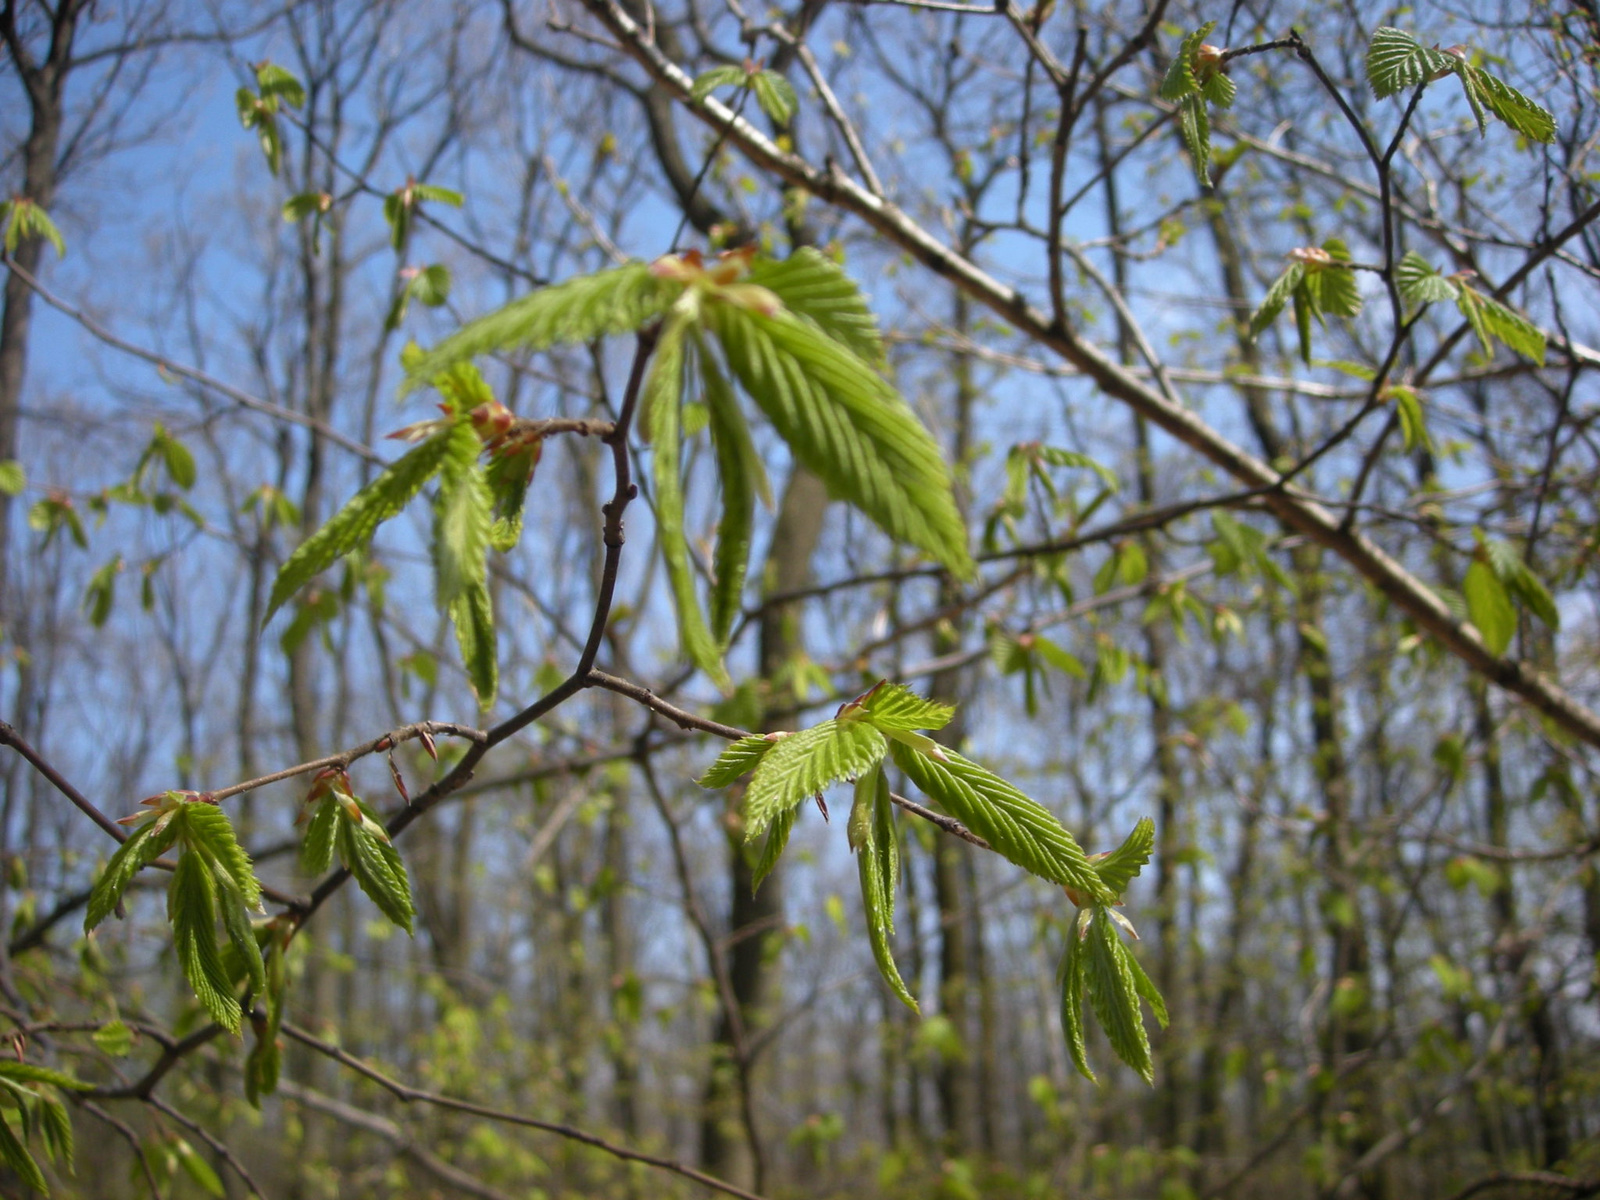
column 1518, row 112
column 1070, row 977
column 376, row 866
column 1396, row 61
column 21, row 1072
column 1114, row 994
column 805, row 763
column 146, row 844
column 1490, row 606
column 236, row 923
column 463, row 514
column 872, row 837
column 813, row 286
column 844, row 422
column 1419, row 283
column 740, row 470
column 12, row 477
column 15, row 1155
column 1491, row 320
column 1014, row 824
column 580, row 310
column 1283, row 287
column 893, row 706
column 196, row 1168
column 352, row 526
column 727, row 75
column 316, row 849
column 472, row 615
column 737, row 759
column 191, row 907
column 772, row 848
column 206, row 828
column 276, row 83
column 661, row 415
column 1195, row 126
column 1122, row 865
column 776, row 96
column 1413, row 425
column 1180, row 80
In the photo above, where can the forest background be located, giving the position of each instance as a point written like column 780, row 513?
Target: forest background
column 1314, row 589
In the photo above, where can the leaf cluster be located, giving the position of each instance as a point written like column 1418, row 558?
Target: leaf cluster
column 258, row 108
column 22, row 218
column 1195, row 79
column 1318, row 282
column 1397, row 61
column 884, row 723
column 1490, row 320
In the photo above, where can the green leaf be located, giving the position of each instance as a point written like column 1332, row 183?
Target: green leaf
column 661, row 405
column 1180, row 81
column 1419, row 283
column 1070, row 977
column 438, row 195
column 306, row 204
column 101, row 592
column 580, row 310
column 1471, row 89
column 236, row 923
column 872, row 837
column 1283, row 287
column 463, row 513
column 813, row 286
column 472, row 614
column 12, row 477
column 146, row 844
column 1196, row 129
column 191, row 907
column 736, row 760
column 1114, row 994
column 113, row 1038
column 1491, row 319
column 1511, row 106
column 15, row 1155
column 1396, row 61
column 1147, row 990
column 742, row 474
column 352, row 527
column 316, row 850
column 724, row 76
column 176, row 458
column 207, row 829
column 1122, row 865
column 278, row 84
column 772, row 848
column 1218, row 89
column 1413, row 425
column 21, row 1072
column 848, row 425
column 806, row 763
column 197, row 1168
column 1490, row 606
column 1012, row 823
column 893, row 706
column 376, row 866
column 776, row 96
column 56, row 1129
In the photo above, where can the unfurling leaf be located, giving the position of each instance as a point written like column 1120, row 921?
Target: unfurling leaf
column 872, row 837
column 1120, row 867
column 1490, row 606
column 365, row 850
column 742, row 474
column 1109, row 971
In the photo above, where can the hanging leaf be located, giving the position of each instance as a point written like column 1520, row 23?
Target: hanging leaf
column 813, row 286
column 1492, row 321
column 807, row 763
column 776, row 96
column 872, row 837
column 1196, row 129
column 661, row 413
column 1114, row 994
column 472, row 615
column 847, row 425
column 1517, row 111
column 1070, row 976
column 316, row 849
column 366, row 853
column 742, row 475
column 1490, row 606
column 206, row 828
column 772, row 849
column 191, row 907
